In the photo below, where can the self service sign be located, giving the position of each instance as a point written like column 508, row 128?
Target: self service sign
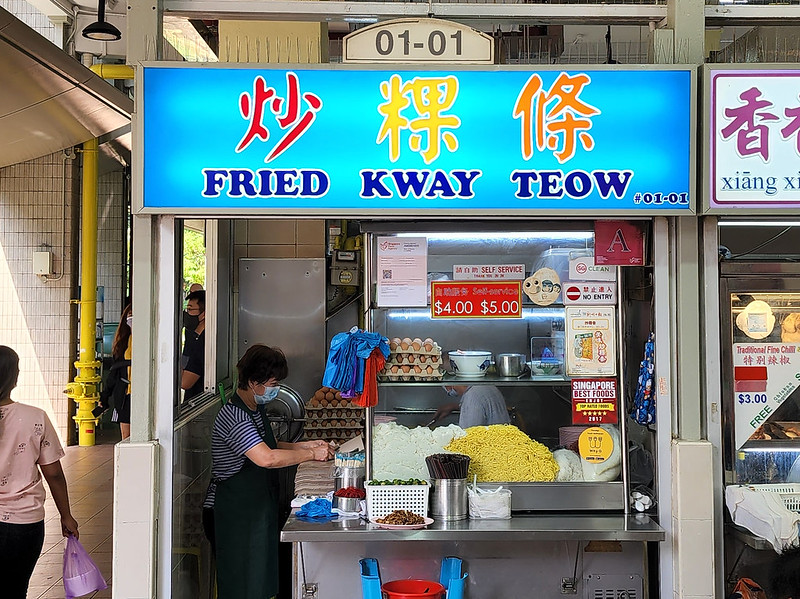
column 353, row 141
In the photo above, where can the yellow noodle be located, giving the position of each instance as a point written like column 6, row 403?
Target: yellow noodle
column 503, row 453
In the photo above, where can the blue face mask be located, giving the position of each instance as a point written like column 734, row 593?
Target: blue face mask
column 450, row 392
column 268, row 395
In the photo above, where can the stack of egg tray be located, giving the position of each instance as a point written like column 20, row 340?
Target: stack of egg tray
column 331, row 418
column 413, row 360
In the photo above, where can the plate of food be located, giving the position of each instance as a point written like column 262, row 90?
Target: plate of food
column 402, row 520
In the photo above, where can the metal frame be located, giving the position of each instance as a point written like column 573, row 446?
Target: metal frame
column 713, row 377
column 319, row 10
column 664, row 319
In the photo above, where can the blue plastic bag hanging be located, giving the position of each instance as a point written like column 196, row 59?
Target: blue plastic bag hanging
column 644, row 405
column 81, row 574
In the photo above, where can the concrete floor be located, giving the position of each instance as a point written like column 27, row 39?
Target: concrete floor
column 90, row 477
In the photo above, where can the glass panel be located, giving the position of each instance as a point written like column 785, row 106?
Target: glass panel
column 765, row 328
column 538, row 401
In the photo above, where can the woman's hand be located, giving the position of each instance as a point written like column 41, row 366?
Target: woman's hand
column 69, row 526
column 321, row 453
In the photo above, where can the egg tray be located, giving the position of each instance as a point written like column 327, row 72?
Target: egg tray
column 325, row 413
column 398, row 346
column 332, row 434
column 411, row 376
column 341, row 404
column 414, row 359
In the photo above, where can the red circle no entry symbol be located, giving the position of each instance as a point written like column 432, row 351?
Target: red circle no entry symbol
column 573, row 293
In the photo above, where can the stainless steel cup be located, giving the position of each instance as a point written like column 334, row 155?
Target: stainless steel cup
column 511, row 364
column 449, row 499
column 348, row 477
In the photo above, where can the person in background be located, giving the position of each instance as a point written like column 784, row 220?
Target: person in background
column 480, row 405
column 121, row 354
column 240, row 512
column 194, row 347
column 29, row 449
column 190, row 321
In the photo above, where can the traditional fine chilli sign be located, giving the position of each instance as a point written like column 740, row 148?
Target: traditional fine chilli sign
column 348, row 141
column 472, row 299
column 594, row 401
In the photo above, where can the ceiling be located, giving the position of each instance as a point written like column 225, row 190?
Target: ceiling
column 50, row 102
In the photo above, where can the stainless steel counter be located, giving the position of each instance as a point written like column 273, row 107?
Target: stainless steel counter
column 597, row 527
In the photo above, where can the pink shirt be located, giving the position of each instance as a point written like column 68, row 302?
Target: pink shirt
column 27, row 439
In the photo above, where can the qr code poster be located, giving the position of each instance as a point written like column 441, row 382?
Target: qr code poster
column 402, row 267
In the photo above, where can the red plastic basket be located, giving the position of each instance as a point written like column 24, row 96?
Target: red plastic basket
column 412, row 589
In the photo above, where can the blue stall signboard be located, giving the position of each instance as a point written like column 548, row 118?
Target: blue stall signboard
column 360, row 142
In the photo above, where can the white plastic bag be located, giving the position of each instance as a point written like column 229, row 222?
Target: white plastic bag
column 489, row 504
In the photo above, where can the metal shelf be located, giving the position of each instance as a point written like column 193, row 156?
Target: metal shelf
column 772, row 445
column 486, row 380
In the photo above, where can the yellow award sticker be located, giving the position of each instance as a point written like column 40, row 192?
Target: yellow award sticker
column 595, row 445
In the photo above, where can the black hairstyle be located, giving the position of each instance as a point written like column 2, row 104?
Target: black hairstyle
column 121, row 336
column 261, row 363
column 784, row 579
column 9, row 371
column 200, row 297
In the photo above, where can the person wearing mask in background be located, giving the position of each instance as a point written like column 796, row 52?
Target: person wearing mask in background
column 194, row 347
column 240, row 512
column 189, row 322
column 119, row 377
column 29, row 449
column 480, row 405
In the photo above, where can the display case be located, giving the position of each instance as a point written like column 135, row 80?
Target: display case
column 539, row 400
column 761, row 372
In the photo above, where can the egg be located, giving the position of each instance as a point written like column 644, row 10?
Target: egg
column 411, row 358
column 405, row 368
column 416, row 344
column 428, row 347
column 422, row 358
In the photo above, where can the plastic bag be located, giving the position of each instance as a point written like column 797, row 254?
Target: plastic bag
column 747, row 588
column 81, row 574
column 485, row 504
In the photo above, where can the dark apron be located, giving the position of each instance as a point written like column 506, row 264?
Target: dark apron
column 246, row 526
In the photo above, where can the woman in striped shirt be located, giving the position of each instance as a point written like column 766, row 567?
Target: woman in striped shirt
column 243, row 495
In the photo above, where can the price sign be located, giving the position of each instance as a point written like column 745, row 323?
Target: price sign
column 474, row 299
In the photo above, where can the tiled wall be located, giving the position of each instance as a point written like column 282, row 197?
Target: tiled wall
column 113, row 223
column 39, row 206
column 34, row 19
column 36, row 203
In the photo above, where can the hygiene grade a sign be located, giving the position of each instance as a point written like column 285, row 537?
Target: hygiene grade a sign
column 344, row 140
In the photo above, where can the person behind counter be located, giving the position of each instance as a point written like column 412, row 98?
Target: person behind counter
column 240, row 513
column 480, row 405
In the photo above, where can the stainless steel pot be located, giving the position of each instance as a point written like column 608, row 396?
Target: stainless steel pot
column 511, row 364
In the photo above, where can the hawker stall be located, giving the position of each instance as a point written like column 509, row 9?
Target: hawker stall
column 542, row 484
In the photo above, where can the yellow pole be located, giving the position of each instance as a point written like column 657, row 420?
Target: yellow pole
column 85, row 389
column 113, row 71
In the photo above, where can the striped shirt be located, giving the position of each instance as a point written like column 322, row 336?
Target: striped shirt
column 235, row 432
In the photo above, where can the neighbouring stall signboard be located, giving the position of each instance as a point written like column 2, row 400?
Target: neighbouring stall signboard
column 402, row 271
column 594, row 401
column 342, row 140
column 600, row 293
column 754, row 148
column 472, row 299
column 764, row 375
column 468, row 272
column 590, row 341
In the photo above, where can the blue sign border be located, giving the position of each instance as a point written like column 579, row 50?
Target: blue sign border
column 641, row 159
